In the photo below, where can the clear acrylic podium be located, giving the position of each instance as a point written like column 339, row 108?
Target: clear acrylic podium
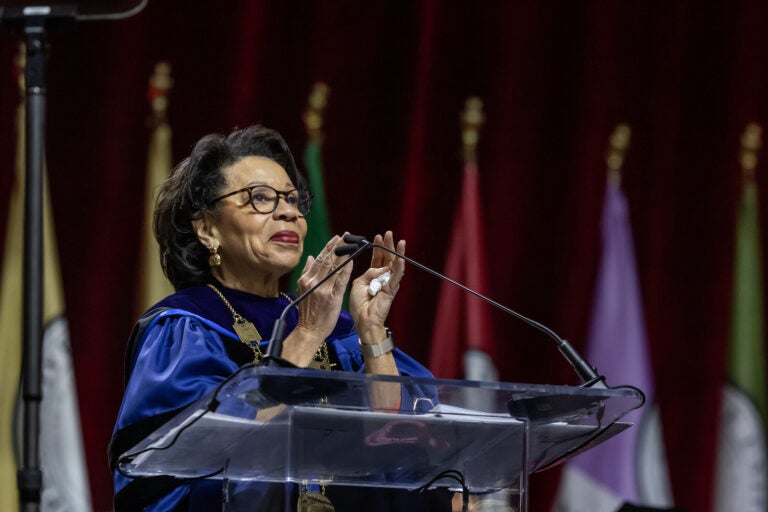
column 325, row 428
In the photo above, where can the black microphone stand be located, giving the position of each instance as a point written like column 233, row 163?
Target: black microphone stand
column 586, row 372
column 34, row 21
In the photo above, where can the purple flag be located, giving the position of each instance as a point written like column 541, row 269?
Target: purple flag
column 618, row 470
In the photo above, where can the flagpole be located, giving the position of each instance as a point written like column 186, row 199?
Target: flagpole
column 313, row 115
column 618, row 143
column 751, row 140
column 472, row 119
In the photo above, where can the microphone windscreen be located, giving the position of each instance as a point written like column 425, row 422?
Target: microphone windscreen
column 345, row 249
column 354, row 239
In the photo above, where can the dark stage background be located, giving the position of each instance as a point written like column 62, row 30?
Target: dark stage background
column 556, row 77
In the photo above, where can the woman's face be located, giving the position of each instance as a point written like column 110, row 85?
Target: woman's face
column 255, row 245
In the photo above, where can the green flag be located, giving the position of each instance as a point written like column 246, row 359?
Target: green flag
column 741, row 466
column 746, row 367
column 318, row 227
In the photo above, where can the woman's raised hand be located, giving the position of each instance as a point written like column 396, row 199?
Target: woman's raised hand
column 370, row 311
column 319, row 311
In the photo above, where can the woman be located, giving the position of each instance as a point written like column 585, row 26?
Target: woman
column 230, row 221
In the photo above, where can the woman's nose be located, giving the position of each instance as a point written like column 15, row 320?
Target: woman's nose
column 285, row 210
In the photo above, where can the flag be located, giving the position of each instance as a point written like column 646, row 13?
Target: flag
column 153, row 285
column 462, row 321
column 741, row 483
column 318, row 225
column 10, row 320
column 632, row 466
column 65, row 481
column 470, row 333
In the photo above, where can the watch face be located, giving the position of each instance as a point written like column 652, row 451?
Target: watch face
column 741, row 481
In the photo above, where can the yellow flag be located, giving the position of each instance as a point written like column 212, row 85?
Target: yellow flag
column 153, row 285
column 10, row 319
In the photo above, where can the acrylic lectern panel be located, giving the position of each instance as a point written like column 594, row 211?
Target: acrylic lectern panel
column 324, row 427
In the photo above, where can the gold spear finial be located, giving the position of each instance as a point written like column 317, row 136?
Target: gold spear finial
column 159, row 84
column 19, row 62
column 472, row 118
column 313, row 115
column 618, row 143
column 751, row 140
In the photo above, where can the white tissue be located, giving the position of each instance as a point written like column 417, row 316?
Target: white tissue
column 377, row 283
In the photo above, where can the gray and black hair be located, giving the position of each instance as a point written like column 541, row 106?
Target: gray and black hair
column 194, row 184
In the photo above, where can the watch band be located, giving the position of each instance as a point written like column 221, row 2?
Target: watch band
column 379, row 349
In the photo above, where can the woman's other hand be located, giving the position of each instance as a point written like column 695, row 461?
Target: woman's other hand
column 370, row 311
column 319, row 311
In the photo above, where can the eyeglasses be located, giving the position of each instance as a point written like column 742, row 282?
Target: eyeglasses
column 264, row 199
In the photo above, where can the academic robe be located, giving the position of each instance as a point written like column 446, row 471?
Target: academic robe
column 180, row 350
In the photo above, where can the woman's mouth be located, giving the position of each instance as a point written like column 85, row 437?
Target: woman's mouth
column 286, row 237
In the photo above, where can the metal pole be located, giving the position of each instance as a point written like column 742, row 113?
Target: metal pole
column 34, row 21
column 30, row 475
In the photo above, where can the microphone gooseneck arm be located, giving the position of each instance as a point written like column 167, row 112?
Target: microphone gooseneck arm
column 587, row 373
column 275, row 346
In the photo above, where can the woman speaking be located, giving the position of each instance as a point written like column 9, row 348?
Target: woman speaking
column 230, row 222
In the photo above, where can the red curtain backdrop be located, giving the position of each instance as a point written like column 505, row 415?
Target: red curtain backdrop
column 555, row 78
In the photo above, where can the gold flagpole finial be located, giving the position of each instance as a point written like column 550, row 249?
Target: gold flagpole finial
column 751, row 140
column 313, row 115
column 472, row 118
column 618, row 143
column 159, row 84
column 19, row 63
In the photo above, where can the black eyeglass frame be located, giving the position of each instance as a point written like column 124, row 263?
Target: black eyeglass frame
column 278, row 193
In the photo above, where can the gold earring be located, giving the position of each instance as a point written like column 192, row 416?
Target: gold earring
column 214, row 260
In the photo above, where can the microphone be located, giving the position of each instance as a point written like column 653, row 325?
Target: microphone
column 586, row 372
column 275, row 346
column 346, row 249
column 353, row 242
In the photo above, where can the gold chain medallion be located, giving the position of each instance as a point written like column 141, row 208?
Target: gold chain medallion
column 249, row 334
column 246, row 331
column 314, row 501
